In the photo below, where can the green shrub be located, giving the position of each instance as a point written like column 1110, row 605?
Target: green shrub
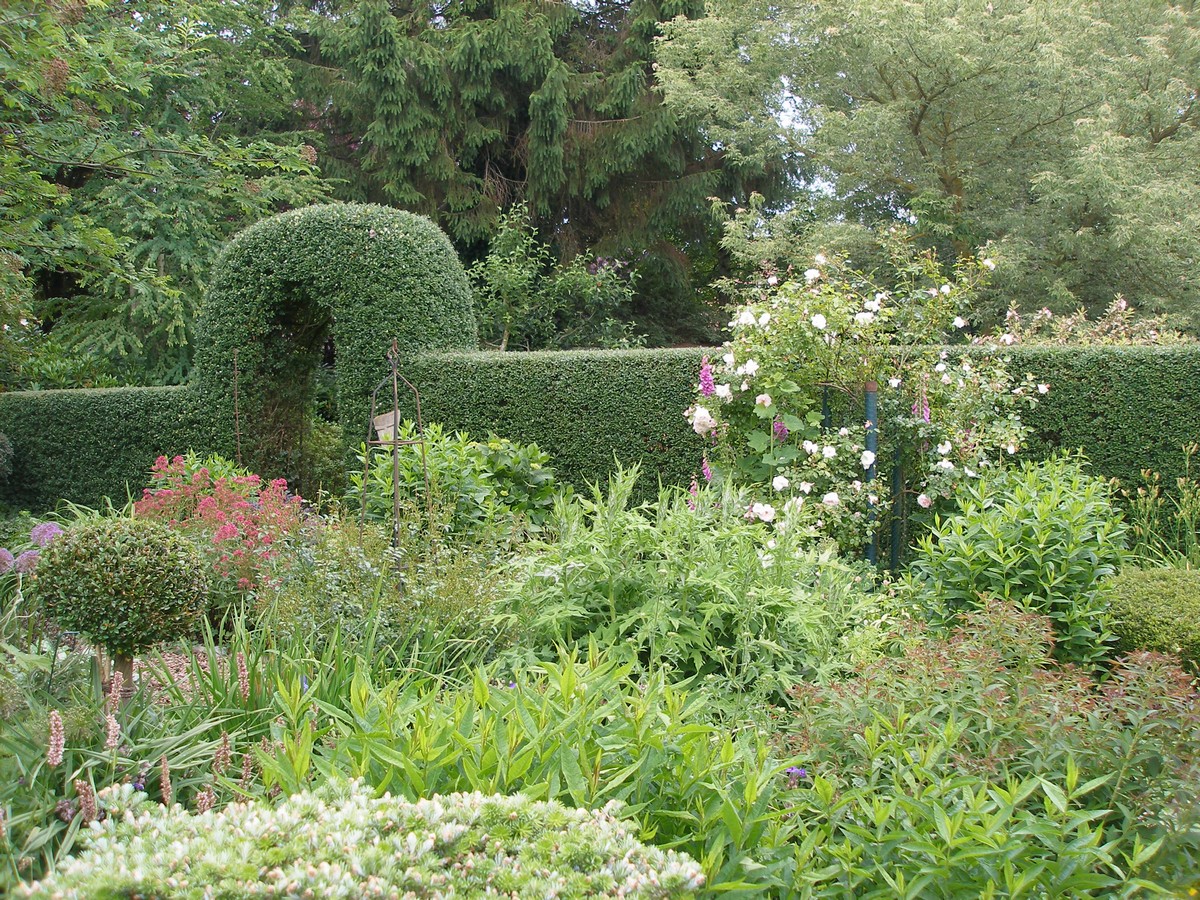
column 472, row 484
column 127, row 584
column 581, row 732
column 1158, row 609
column 364, row 275
column 457, row 845
column 972, row 765
column 1042, row 535
column 695, row 593
column 403, row 606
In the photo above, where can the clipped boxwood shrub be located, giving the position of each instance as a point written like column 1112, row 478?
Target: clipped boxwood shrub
column 341, row 841
column 127, row 584
column 1158, row 609
column 361, row 274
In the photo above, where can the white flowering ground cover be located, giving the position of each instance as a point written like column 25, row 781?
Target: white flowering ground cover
column 343, row 842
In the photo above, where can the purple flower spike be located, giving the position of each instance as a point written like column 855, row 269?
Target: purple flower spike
column 44, row 533
column 706, row 470
column 6, row 561
column 27, row 562
column 781, row 431
column 707, row 386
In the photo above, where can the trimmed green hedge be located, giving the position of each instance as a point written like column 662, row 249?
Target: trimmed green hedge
column 361, row 274
column 84, row 445
column 580, row 406
column 1131, row 407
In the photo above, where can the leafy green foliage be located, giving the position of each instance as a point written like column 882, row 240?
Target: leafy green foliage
column 130, row 149
column 465, row 114
column 472, row 485
column 1043, row 536
column 686, row 586
column 1066, row 132
column 363, row 275
column 1158, row 609
column 416, row 605
column 127, row 584
column 577, row 731
column 522, row 299
column 971, row 763
column 461, row 842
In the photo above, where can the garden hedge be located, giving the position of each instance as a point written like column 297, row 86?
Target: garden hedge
column 1130, row 407
column 361, row 274
column 583, row 407
column 84, row 445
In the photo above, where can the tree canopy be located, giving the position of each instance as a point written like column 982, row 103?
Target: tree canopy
column 1065, row 132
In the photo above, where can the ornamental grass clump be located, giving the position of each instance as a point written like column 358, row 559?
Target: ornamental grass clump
column 342, row 841
column 127, row 584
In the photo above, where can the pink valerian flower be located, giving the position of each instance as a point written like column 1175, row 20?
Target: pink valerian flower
column 54, row 752
column 707, row 386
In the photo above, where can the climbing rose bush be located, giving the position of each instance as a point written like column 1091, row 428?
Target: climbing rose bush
column 343, row 842
column 803, row 350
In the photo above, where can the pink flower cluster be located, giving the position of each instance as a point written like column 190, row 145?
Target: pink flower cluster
column 237, row 518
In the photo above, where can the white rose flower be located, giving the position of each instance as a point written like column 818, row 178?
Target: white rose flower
column 763, row 511
column 872, row 305
column 746, row 317
column 960, row 322
column 944, row 448
column 763, row 320
column 1043, row 388
column 724, row 391
column 812, row 274
column 945, row 465
column 728, row 359
column 806, row 487
column 751, row 367
column 763, row 400
column 702, row 421
column 864, row 318
column 829, row 452
column 780, row 483
column 819, row 259
column 867, row 459
column 945, row 289
column 831, row 499
column 894, row 382
column 988, row 264
column 809, row 447
column 772, row 280
column 819, row 321
column 924, row 501
column 940, row 367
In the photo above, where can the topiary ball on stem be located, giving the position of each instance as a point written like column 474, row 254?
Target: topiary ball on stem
column 127, row 584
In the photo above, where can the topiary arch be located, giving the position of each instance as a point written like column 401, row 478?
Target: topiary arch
column 362, row 274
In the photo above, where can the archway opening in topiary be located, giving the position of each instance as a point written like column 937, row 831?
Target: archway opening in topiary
column 358, row 275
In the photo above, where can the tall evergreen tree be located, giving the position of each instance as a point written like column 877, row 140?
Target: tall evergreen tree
column 462, row 109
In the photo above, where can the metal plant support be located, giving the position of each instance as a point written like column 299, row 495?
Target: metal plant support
column 395, row 443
